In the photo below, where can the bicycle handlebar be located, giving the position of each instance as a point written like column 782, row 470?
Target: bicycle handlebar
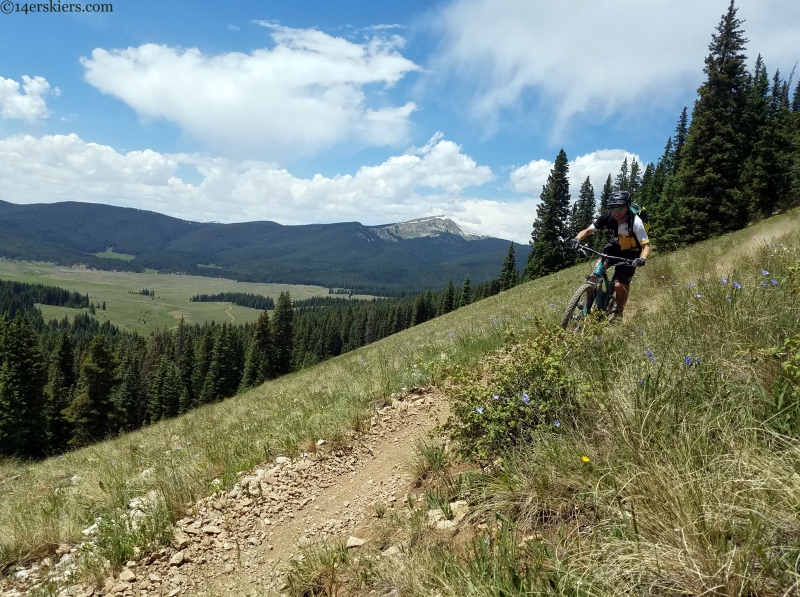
column 622, row 260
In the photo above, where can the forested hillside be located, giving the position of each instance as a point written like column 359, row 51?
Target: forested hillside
column 347, row 255
column 65, row 385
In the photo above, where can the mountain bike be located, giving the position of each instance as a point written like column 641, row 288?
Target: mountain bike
column 597, row 293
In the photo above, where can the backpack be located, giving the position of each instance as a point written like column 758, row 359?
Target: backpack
column 634, row 209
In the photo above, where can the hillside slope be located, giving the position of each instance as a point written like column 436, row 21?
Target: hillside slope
column 405, row 256
column 678, row 428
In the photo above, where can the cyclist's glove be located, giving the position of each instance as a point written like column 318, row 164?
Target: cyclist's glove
column 638, row 262
column 574, row 243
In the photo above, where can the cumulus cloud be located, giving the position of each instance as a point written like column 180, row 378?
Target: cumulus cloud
column 64, row 167
column 597, row 57
column 299, row 98
column 30, row 106
column 597, row 165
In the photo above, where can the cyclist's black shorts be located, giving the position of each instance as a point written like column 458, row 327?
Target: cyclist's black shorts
column 622, row 273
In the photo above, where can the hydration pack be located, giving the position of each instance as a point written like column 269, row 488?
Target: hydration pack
column 634, row 209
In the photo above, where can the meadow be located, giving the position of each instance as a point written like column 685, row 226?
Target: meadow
column 675, row 475
column 134, row 312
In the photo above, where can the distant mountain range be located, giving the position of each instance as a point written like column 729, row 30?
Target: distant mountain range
column 406, row 256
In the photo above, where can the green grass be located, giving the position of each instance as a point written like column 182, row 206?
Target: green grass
column 718, row 470
column 110, row 254
column 132, row 311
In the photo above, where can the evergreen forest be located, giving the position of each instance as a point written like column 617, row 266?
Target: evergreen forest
column 67, row 384
column 733, row 161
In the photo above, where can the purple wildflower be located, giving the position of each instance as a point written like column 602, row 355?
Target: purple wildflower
column 764, row 272
column 763, row 284
column 737, row 286
column 688, row 361
column 557, row 423
column 495, row 397
column 526, row 400
column 774, row 282
column 698, row 295
column 724, row 280
column 641, row 382
column 479, row 410
column 597, row 339
column 729, row 298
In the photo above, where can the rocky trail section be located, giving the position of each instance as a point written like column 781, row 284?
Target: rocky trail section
column 236, row 542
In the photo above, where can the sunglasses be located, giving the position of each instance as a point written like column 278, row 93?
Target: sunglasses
column 624, row 207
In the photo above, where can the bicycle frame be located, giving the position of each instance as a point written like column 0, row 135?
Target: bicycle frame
column 601, row 298
column 606, row 290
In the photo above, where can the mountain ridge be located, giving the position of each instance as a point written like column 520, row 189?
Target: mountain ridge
column 391, row 258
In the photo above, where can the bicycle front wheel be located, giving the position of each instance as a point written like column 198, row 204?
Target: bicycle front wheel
column 578, row 307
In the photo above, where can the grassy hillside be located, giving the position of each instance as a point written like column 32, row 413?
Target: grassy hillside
column 682, row 482
column 135, row 312
column 344, row 255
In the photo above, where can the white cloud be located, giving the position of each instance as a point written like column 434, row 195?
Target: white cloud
column 503, row 219
column 30, row 106
column 305, row 95
column 598, row 57
column 597, row 165
column 60, row 168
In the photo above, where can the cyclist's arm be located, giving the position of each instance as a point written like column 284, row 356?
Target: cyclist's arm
column 585, row 233
column 641, row 234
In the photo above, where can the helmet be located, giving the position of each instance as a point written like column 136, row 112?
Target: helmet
column 620, row 199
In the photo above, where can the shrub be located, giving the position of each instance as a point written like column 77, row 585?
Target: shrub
column 496, row 405
column 122, row 536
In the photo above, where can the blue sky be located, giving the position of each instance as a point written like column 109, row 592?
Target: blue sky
column 332, row 111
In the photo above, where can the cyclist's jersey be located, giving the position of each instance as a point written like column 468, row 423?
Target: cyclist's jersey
column 620, row 235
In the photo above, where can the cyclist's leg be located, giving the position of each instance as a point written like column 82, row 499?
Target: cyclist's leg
column 621, row 290
column 622, row 280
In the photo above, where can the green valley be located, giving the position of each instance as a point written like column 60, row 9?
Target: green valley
column 131, row 311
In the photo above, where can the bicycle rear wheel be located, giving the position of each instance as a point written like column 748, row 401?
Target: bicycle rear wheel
column 576, row 307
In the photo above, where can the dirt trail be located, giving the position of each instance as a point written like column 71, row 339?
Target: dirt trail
column 328, row 494
column 237, row 542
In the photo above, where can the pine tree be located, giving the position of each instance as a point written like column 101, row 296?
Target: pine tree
column 258, row 366
column 91, row 410
column 166, row 390
column 600, row 237
column 202, row 362
column 622, row 181
column 549, row 235
column 635, row 179
column 423, row 308
column 283, row 334
column 715, row 148
column 448, row 299
column 464, row 297
column 585, row 214
column 605, row 195
column 58, row 392
column 23, row 426
column 509, row 276
column 186, row 362
column 681, row 132
column 128, row 397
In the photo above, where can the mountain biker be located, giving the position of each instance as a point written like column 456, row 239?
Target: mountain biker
column 624, row 242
